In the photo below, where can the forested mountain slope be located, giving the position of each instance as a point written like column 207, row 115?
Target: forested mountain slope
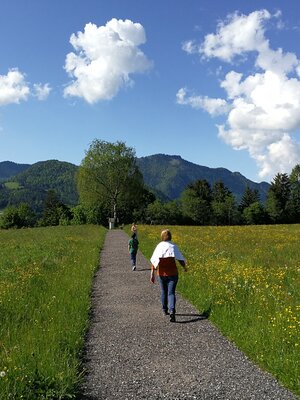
column 166, row 175
column 9, row 168
column 169, row 175
column 31, row 185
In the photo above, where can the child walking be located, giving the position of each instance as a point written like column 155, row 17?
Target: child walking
column 134, row 229
column 133, row 246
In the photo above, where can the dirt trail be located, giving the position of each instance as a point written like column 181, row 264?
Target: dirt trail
column 134, row 352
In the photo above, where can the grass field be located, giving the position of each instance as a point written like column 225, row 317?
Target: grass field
column 12, row 185
column 45, row 285
column 249, row 279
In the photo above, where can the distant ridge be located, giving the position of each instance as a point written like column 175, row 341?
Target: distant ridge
column 166, row 175
column 9, row 168
column 169, row 175
column 32, row 183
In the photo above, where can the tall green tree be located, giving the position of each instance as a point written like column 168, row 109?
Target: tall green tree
column 79, row 215
column 294, row 201
column 134, row 204
column 254, row 214
column 224, row 207
column 251, row 209
column 278, row 199
column 164, row 213
column 109, row 175
column 174, row 211
column 157, row 213
column 250, row 196
column 27, row 215
column 134, row 201
column 196, row 202
column 55, row 212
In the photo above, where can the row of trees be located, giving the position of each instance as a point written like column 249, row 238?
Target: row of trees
column 110, row 185
column 22, row 216
column 201, row 204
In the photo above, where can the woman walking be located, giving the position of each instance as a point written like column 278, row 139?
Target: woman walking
column 163, row 260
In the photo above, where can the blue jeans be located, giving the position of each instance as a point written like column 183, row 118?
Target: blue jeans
column 133, row 259
column 167, row 288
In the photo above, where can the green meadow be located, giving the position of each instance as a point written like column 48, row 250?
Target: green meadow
column 12, row 185
column 45, row 285
column 248, row 280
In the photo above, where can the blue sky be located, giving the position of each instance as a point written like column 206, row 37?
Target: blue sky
column 217, row 82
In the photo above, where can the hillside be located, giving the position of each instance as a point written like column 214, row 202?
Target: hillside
column 31, row 185
column 169, row 175
column 9, row 169
column 166, row 175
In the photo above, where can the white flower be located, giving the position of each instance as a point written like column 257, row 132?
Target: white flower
column 2, row 374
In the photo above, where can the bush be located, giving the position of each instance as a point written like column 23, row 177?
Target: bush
column 18, row 217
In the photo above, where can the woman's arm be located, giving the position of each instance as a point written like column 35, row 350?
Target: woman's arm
column 152, row 275
column 183, row 264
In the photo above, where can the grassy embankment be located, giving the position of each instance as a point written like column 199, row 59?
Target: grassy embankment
column 45, row 286
column 249, row 279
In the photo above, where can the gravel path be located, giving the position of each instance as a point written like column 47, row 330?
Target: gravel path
column 134, row 352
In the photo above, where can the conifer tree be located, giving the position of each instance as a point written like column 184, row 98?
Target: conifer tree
column 294, row 201
column 250, row 196
column 278, row 199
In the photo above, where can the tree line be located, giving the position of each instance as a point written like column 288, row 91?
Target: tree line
column 110, row 185
column 201, row 204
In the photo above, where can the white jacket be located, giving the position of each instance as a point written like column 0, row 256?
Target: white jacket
column 164, row 250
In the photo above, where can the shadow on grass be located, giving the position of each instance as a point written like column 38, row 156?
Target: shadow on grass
column 193, row 317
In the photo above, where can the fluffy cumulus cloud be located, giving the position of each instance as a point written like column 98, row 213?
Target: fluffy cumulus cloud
column 262, row 109
column 104, row 59
column 237, row 35
column 14, row 88
column 212, row 106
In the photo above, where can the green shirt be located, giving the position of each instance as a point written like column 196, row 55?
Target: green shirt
column 133, row 245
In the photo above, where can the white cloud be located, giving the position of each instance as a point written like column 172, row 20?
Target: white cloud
column 13, row 87
column 190, row 47
column 284, row 153
column 277, row 61
column 42, row 91
column 212, row 106
column 105, row 58
column 263, row 108
column 240, row 34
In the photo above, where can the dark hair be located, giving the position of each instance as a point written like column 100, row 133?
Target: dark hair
column 133, row 235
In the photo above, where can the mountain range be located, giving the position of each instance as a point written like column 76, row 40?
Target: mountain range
column 31, row 183
column 9, row 169
column 166, row 175
column 169, row 175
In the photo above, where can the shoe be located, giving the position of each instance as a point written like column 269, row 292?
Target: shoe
column 172, row 317
column 134, row 268
column 165, row 312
